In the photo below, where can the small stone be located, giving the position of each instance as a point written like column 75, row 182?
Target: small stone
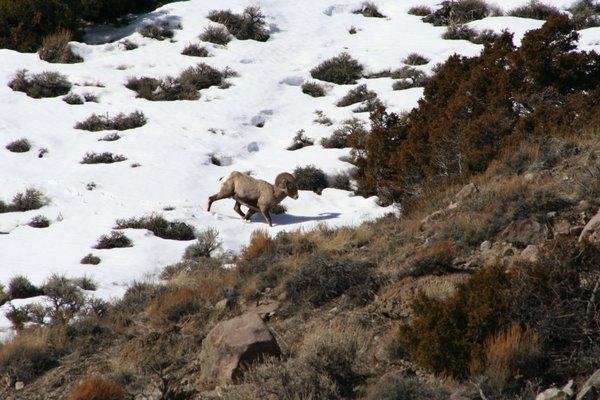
column 485, row 246
column 562, row 227
column 222, row 304
column 551, row 214
column 531, row 253
column 528, row 177
column 19, row 385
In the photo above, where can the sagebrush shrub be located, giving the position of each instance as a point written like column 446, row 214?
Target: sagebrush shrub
column 248, row 25
column 396, row 386
column 183, row 87
column 340, row 181
column 90, row 259
column 356, row 95
column 313, row 89
column 322, row 119
column 157, row 224
column 486, row 36
column 138, row 296
column 460, row 12
column 73, row 99
column 65, row 297
column 408, row 77
column 415, row 59
column 56, row 48
column 27, row 356
column 311, row 178
column 459, row 32
column 97, row 388
column 420, row 11
column 323, row 278
column 90, row 97
column 585, row 13
column 208, row 242
column 534, row 9
column 119, row 122
column 114, row 240
column 39, row 221
column 44, row 84
column 195, row 50
column 291, row 379
column 334, row 353
column 19, row 146
column 300, row 140
column 369, row 9
column 216, row 35
column 369, row 105
column 342, row 69
column 20, row 287
column 102, row 158
column 159, row 30
column 31, row 199
column 351, row 130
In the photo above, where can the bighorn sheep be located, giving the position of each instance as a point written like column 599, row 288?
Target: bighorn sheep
column 256, row 194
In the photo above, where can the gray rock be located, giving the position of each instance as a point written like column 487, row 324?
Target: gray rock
column 235, row 344
column 19, row 385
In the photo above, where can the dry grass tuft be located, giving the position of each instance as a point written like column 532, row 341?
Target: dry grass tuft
column 56, row 49
column 510, row 355
column 97, row 388
column 260, row 243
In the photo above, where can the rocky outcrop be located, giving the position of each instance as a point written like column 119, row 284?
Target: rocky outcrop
column 524, row 232
column 233, row 345
column 591, row 231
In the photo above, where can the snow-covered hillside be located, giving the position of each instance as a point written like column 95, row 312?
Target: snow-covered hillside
column 174, row 148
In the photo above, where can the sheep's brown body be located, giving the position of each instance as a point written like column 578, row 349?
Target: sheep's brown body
column 256, row 194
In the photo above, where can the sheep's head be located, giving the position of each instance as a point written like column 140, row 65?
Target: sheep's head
column 287, row 182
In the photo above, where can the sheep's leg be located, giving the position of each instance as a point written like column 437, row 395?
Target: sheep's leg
column 249, row 214
column 215, row 197
column 265, row 211
column 237, row 208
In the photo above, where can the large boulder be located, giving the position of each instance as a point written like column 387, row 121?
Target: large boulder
column 466, row 192
column 524, row 232
column 591, row 388
column 235, row 344
column 591, row 231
